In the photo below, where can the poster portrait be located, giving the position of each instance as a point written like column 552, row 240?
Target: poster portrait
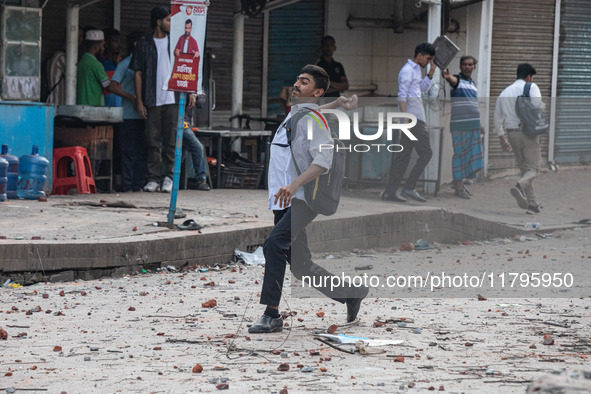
column 187, row 44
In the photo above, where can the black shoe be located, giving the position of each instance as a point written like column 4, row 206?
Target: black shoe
column 353, row 304
column 266, row 324
column 519, row 195
column 203, row 186
column 533, row 209
column 198, row 185
column 413, row 194
column 386, row 196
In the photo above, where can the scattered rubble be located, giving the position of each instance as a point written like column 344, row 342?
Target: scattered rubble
column 147, row 332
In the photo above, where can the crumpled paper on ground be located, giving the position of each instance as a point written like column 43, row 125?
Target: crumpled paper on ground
column 255, row 258
column 346, row 339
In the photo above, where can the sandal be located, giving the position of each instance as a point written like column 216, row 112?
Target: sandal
column 190, row 225
column 463, row 194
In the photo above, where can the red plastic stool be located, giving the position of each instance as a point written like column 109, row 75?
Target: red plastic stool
column 82, row 178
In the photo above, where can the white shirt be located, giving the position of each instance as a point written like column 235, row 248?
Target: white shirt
column 410, row 88
column 163, row 71
column 505, row 116
column 306, row 152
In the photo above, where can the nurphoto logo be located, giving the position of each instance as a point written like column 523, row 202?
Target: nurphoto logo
column 344, row 130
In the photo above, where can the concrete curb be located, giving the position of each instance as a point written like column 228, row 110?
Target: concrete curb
column 87, row 260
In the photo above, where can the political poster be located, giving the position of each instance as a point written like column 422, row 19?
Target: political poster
column 187, row 41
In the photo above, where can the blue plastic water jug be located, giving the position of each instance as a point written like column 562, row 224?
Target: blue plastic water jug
column 31, row 175
column 12, row 173
column 3, row 179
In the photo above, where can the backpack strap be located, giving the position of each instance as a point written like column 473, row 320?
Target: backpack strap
column 526, row 89
column 290, row 127
column 293, row 120
column 290, row 131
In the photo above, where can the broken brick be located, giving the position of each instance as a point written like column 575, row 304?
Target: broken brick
column 209, row 304
column 407, row 247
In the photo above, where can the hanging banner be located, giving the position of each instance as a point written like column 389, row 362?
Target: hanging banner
column 187, row 40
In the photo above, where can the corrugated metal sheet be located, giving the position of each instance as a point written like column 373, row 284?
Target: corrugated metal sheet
column 135, row 15
column 573, row 117
column 295, row 32
column 523, row 32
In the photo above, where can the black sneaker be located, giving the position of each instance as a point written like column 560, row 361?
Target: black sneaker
column 413, row 194
column 266, row 324
column 519, row 196
column 353, row 304
column 203, row 186
column 533, row 209
column 386, row 196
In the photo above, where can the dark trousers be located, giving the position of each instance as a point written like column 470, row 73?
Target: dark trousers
column 288, row 243
column 133, row 154
column 161, row 140
column 400, row 160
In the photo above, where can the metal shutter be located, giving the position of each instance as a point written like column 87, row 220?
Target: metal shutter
column 135, row 16
column 523, row 32
column 573, row 117
column 220, row 26
column 295, row 32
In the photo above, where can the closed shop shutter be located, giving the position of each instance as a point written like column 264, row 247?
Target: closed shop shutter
column 573, row 117
column 295, row 32
column 135, row 16
column 523, row 32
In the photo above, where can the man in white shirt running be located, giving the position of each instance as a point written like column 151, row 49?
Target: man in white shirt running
column 288, row 241
column 526, row 149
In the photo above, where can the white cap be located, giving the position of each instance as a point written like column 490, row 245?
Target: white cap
column 95, row 35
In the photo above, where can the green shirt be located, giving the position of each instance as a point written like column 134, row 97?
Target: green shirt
column 91, row 80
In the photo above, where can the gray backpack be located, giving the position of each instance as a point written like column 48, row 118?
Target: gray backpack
column 533, row 120
column 324, row 193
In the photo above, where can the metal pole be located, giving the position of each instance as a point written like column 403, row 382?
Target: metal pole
column 432, row 170
column 554, row 93
column 117, row 14
column 484, row 74
column 72, row 24
column 237, row 62
column 265, row 76
column 178, row 154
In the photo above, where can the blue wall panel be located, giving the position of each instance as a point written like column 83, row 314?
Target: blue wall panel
column 24, row 124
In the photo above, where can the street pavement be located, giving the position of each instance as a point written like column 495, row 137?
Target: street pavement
column 161, row 331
